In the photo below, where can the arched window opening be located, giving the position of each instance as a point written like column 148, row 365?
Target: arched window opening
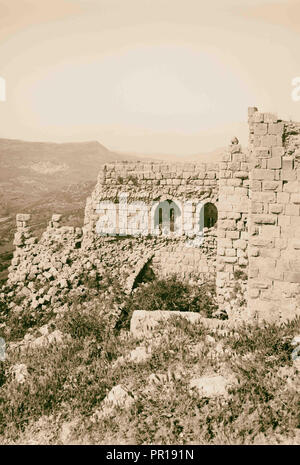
column 210, row 215
column 172, row 220
column 167, row 217
column 160, row 219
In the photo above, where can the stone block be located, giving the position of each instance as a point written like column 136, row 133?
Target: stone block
column 288, row 175
column 283, row 197
column 287, row 163
column 233, row 234
column 261, row 284
column 277, row 151
column 271, row 141
column 264, row 219
column 260, row 129
column 272, row 185
column 143, row 323
column 230, row 259
column 292, row 210
column 270, row 118
column 256, row 207
column 274, row 163
column 226, row 243
column 295, row 222
column 295, row 198
column 275, row 128
column 262, row 152
column 253, row 293
column 240, row 244
column 255, row 186
column 253, row 251
column 275, row 208
column 230, row 252
column 284, row 220
column 257, row 241
column 258, row 117
column 264, row 197
column 291, row 186
column 241, row 174
column 23, row 217
column 292, row 277
column 251, row 111
column 262, row 174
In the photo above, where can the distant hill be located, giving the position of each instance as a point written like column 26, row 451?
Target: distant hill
column 33, row 168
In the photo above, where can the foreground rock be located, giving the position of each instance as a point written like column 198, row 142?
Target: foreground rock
column 118, row 397
column 211, row 386
column 144, row 322
column 19, row 373
column 56, row 337
column 140, row 355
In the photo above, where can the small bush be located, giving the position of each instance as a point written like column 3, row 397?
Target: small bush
column 80, row 323
column 240, row 274
column 173, row 295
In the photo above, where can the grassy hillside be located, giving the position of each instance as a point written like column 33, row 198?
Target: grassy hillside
column 55, row 381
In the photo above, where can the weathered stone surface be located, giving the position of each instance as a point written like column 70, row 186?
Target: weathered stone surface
column 143, row 322
column 56, row 337
column 140, row 354
column 118, row 397
column 19, row 373
column 210, row 386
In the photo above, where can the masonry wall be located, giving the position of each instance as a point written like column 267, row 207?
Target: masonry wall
column 44, row 258
column 274, row 227
column 232, row 252
column 125, row 188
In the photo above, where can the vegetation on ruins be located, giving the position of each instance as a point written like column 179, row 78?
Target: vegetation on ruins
column 173, row 294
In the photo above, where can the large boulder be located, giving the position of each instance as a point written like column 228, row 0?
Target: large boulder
column 19, row 373
column 210, row 386
column 143, row 322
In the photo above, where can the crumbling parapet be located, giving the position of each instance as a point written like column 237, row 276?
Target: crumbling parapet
column 43, row 258
column 55, row 221
column 24, row 243
column 23, row 236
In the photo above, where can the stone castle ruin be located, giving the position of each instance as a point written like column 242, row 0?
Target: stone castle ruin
column 236, row 222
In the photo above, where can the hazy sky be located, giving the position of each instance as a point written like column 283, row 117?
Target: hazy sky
column 163, row 76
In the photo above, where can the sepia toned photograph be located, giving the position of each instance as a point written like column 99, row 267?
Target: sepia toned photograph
column 150, row 225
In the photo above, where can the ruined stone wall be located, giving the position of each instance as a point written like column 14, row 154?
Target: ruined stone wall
column 274, row 226
column 232, row 254
column 253, row 251
column 129, row 191
column 46, row 257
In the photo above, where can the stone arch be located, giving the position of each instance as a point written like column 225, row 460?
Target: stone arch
column 210, row 213
column 207, row 214
column 133, row 279
column 166, row 216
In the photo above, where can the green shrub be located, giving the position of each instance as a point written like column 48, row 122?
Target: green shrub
column 170, row 294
